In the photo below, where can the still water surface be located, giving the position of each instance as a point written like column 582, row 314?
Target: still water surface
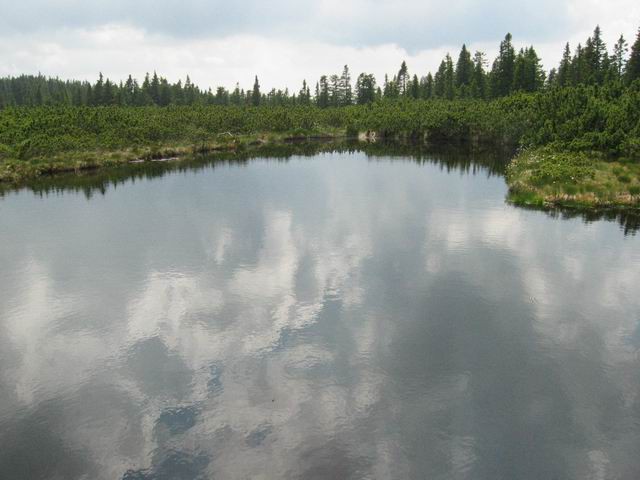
column 333, row 317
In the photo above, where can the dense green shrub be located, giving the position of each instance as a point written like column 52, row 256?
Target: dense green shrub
column 584, row 118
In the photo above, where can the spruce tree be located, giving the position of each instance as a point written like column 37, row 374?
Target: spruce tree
column 464, row 71
column 633, row 64
column 235, row 98
column 365, row 89
column 479, row 80
column 98, row 93
column 600, row 58
column 579, row 70
column 415, row 87
column 503, row 69
column 323, row 98
column 438, row 80
column 154, row 89
column 529, row 75
column 345, row 96
column 255, row 93
column 304, row 96
column 619, row 60
column 564, row 70
column 403, row 79
column 449, row 78
column 334, row 91
column 427, row 87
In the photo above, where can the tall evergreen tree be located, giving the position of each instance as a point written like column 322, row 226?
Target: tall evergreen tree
column 154, row 89
column 595, row 59
column 579, row 68
column 449, row 78
column 439, row 80
column 334, row 91
column 365, row 88
column 479, row 79
column 415, row 87
column 464, row 72
column 428, row 87
column 503, row 69
column 633, row 64
column 390, row 87
column 108, row 94
column 322, row 98
column 403, row 79
column 304, row 97
column 98, row 91
column 235, row 98
column 564, row 70
column 528, row 75
column 255, row 93
column 345, row 94
column 619, row 59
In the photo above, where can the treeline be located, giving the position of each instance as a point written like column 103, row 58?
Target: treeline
column 591, row 64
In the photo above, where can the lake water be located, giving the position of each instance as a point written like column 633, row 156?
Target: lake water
column 342, row 315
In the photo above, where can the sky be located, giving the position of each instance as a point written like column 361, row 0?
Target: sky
column 285, row 41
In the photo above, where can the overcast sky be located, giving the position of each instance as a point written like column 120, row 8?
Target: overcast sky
column 283, row 41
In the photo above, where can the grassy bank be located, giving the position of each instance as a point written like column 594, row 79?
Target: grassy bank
column 19, row 171
column 546, row 177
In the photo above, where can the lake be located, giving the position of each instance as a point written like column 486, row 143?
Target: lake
column 347, row 314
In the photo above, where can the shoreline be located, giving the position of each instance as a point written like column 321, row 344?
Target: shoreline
column 16, row 172
column 542, row 178
column 547, row 178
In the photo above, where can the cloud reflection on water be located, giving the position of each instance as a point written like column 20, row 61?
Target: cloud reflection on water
column 328, row 318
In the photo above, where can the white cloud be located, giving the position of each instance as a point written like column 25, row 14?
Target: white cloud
column 287, row 42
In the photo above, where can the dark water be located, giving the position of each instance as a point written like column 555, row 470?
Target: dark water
column 337, row 316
